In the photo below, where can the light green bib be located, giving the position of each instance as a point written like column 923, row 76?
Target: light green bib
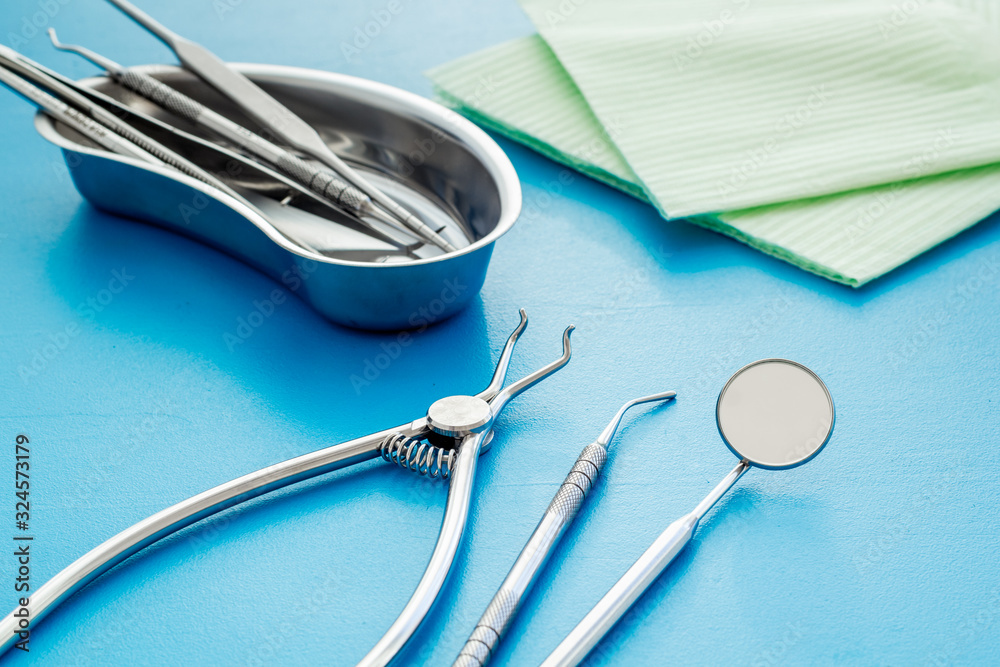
column 521, row 89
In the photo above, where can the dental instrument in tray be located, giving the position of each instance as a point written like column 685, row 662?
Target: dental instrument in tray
column 445, row 443
column 274, row 117
column 560, row 514
column 114, row 134
column 773, row 414
column 318, row 179
column 369, row 275
column 91, row 110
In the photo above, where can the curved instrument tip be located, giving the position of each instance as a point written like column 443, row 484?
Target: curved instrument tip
column 522, row 324
column 609, row 431
column 54, row 38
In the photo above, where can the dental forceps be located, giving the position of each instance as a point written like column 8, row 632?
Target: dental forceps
column 444, row 443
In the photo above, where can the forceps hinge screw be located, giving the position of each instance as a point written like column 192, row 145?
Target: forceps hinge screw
column 458, row 416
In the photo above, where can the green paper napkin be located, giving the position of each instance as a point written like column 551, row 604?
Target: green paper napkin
column 521, row 90
column 728, row 104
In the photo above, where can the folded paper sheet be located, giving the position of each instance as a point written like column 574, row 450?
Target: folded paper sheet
column 727, row 104
column 521, row 89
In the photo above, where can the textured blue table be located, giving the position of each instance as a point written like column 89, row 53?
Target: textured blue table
column 882, row 551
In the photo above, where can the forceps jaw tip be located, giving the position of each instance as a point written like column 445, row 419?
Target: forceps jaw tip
column 531, row 380
column 500, row 374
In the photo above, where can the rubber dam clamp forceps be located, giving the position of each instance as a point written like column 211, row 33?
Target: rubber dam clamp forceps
column 560, row 514
column 445, row 443
column 274, row 116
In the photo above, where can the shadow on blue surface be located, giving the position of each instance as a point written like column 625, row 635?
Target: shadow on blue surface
column 215, row 295
column 686, row 248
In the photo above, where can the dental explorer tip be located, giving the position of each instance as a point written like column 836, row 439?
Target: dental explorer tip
column 662, row 396
column 609, row 432
column 567, row 349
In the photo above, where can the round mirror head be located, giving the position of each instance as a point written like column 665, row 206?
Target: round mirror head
column 775, row 413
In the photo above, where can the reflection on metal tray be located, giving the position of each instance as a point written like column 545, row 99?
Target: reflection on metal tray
column 435, row 163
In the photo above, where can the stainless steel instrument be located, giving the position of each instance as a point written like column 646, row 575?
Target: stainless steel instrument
column 560, row 514
column 773, row 414
column 317, row 179
column 445, row 443
column 273, row 116
column 463, row 181
column 75, row 107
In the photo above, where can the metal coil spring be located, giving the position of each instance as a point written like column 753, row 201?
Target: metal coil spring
column 416, row 455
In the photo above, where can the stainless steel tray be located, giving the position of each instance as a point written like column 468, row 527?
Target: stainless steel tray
column 436, row 162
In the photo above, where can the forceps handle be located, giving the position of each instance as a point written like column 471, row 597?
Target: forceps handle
column 562, row 510
column 456, row 514
column 640, row 576
column 139, row 536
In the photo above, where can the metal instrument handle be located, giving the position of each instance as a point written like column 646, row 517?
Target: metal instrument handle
column 627, row 590
column 259, row 105
column 148, row 531
column 320, row 181
column 579, row 642
column 456, row 514
column 274, row 116
column 162, row 33
column 161, row 93
column 560, row 514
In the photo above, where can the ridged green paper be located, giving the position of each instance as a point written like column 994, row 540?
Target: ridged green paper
column 520, row 89
column 728, row 104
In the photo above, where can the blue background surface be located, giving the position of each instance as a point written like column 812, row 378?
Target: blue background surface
column 881, row 551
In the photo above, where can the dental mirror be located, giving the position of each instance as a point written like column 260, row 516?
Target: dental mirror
column 773, row 414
